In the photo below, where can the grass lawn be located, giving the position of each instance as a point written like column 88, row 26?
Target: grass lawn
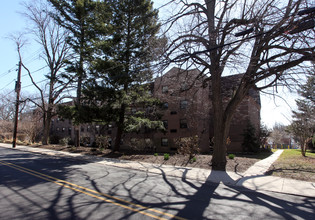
column 291, row 164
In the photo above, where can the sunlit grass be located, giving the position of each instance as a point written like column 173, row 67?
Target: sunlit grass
column 292, row 164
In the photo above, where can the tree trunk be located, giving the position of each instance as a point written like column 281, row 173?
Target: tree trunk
column 303, row 148
column 47, row 119
column 46, row 129
column 77, row 136
column 118, row 139
column 120, row 128
column 218, row 161
column 219, row 149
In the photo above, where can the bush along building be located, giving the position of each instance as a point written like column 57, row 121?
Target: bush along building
column 185, row 111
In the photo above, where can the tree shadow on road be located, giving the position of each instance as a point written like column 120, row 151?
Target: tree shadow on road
column 194, row 200
column 32, row 185
column 181, row 197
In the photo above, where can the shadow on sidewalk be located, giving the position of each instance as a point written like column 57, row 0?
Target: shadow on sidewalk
column 215, row 200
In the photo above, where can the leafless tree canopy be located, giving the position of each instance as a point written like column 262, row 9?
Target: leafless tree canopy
column 199, row 31
column 7, row 106
column 268, row 41
column 52, row 39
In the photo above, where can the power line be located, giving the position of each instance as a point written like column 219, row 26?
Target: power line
column 7, row 72
column 31, row 58
column 26, row 74
column 27, row 61
column 33, row 84
column 8, row 84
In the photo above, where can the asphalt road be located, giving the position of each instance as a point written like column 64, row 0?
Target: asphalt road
column 36, row 186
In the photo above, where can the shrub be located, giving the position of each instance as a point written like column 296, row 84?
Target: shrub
column 188, row 146
column 85, row 141
column 54, row 139
column 194, row 159
column 166, row 156
column 102, row 142
column 71, row 142
column 231, row 156
column 64, row 141
column 155, row 154
column 141, row 144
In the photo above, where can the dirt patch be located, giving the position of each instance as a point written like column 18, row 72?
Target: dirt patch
column 239, row 164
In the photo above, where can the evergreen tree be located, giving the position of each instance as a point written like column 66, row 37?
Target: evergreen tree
column 303, row 125
column 82, row 18
column 250, row 141
column 121, row 73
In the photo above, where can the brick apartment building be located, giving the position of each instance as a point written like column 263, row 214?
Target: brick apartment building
column 187, row 111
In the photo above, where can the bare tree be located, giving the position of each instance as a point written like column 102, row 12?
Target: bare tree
column 7, row 106
column 30, row 124
column 52, row 38
column 265, row 40
column 7, row 114
column 7, row 111
column 279, row 135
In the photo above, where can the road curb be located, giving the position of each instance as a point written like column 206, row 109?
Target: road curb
column 249, row 179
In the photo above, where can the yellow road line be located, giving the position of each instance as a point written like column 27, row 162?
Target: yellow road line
column 87, row 190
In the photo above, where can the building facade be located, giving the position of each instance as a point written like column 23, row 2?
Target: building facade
column 186, row 112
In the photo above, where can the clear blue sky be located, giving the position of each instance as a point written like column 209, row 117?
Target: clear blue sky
column 12, row 22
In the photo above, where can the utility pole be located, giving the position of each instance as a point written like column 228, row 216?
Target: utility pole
column 16, row 118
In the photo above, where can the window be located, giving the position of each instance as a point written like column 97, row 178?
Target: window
column 63, row 129
column 110, row 142
column 165, row 123
column 69, row 131
column 82, row 129
column 164, row 142
column 164, row 89
column 183, row 123
column 165, row 105
column 88, row 128
column 183, row 104
column 173, row 112
column 173, row 130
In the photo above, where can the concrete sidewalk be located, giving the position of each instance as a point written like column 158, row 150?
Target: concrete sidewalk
column 253, row 178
